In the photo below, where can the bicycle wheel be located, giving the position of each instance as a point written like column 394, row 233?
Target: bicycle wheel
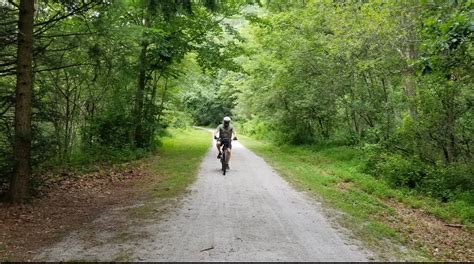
column 223, row 162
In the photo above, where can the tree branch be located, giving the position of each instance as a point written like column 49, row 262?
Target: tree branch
column 6, row 72
column 56, row 18
column 13, row 4
column 63, row 67
column 66, row 35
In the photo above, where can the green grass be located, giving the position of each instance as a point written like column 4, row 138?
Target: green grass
column 178, row 160
column 334, row 174
column 325, row 168
column 173, row 168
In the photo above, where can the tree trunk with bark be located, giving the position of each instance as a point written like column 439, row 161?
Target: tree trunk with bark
column 409, row 53
column 24, row 88
column 163, row 97
column 409, row 81
column 138, row 136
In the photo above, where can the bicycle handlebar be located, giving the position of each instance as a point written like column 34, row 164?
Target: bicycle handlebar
column 216, row 138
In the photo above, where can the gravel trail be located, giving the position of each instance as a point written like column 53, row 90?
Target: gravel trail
column 250, row 214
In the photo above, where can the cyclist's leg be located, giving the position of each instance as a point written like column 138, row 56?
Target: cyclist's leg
column 229, row 152
column 218, row 146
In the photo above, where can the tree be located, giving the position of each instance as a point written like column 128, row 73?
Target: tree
column 29, row 29
column 88, row 60
column 24, row 90
column 170, row 31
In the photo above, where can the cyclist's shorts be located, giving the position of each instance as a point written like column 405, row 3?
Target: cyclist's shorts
column 229, row 143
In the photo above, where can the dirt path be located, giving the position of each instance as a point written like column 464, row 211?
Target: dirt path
column 251, row 214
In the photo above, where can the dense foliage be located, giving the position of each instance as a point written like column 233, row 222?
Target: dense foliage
column 105, row 74
column 392, row 77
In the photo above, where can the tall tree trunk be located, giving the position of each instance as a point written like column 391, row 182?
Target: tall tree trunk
column 352, row 112
column 450, row 125
column 139, row 97
column 409, row 80
column 24, row 89
column 409, row 14
column 388, row 110
column 151, row 103
column 162, row 102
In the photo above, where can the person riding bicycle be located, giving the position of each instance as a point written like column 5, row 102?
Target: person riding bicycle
column 226, row 132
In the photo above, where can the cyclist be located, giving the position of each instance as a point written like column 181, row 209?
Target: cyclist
column 226, row 132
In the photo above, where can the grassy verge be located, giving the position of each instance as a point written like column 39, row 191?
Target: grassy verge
column 178, row 160
column 173, row 168
column 334, row 174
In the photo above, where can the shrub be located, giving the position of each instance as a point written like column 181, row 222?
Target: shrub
column 374, row 154
column 401, row 171
column 444, row 183
column 112, row 129
column 448, row 183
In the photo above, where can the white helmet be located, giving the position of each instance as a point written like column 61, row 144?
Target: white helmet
column 226, row 119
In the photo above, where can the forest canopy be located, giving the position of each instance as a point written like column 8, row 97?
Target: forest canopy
column 98, row 78
column 392, row 78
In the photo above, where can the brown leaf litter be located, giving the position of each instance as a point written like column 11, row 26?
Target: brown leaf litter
column 67, row 203
column 443, row 241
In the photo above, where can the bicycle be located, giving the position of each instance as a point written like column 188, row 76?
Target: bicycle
column 225, row 143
